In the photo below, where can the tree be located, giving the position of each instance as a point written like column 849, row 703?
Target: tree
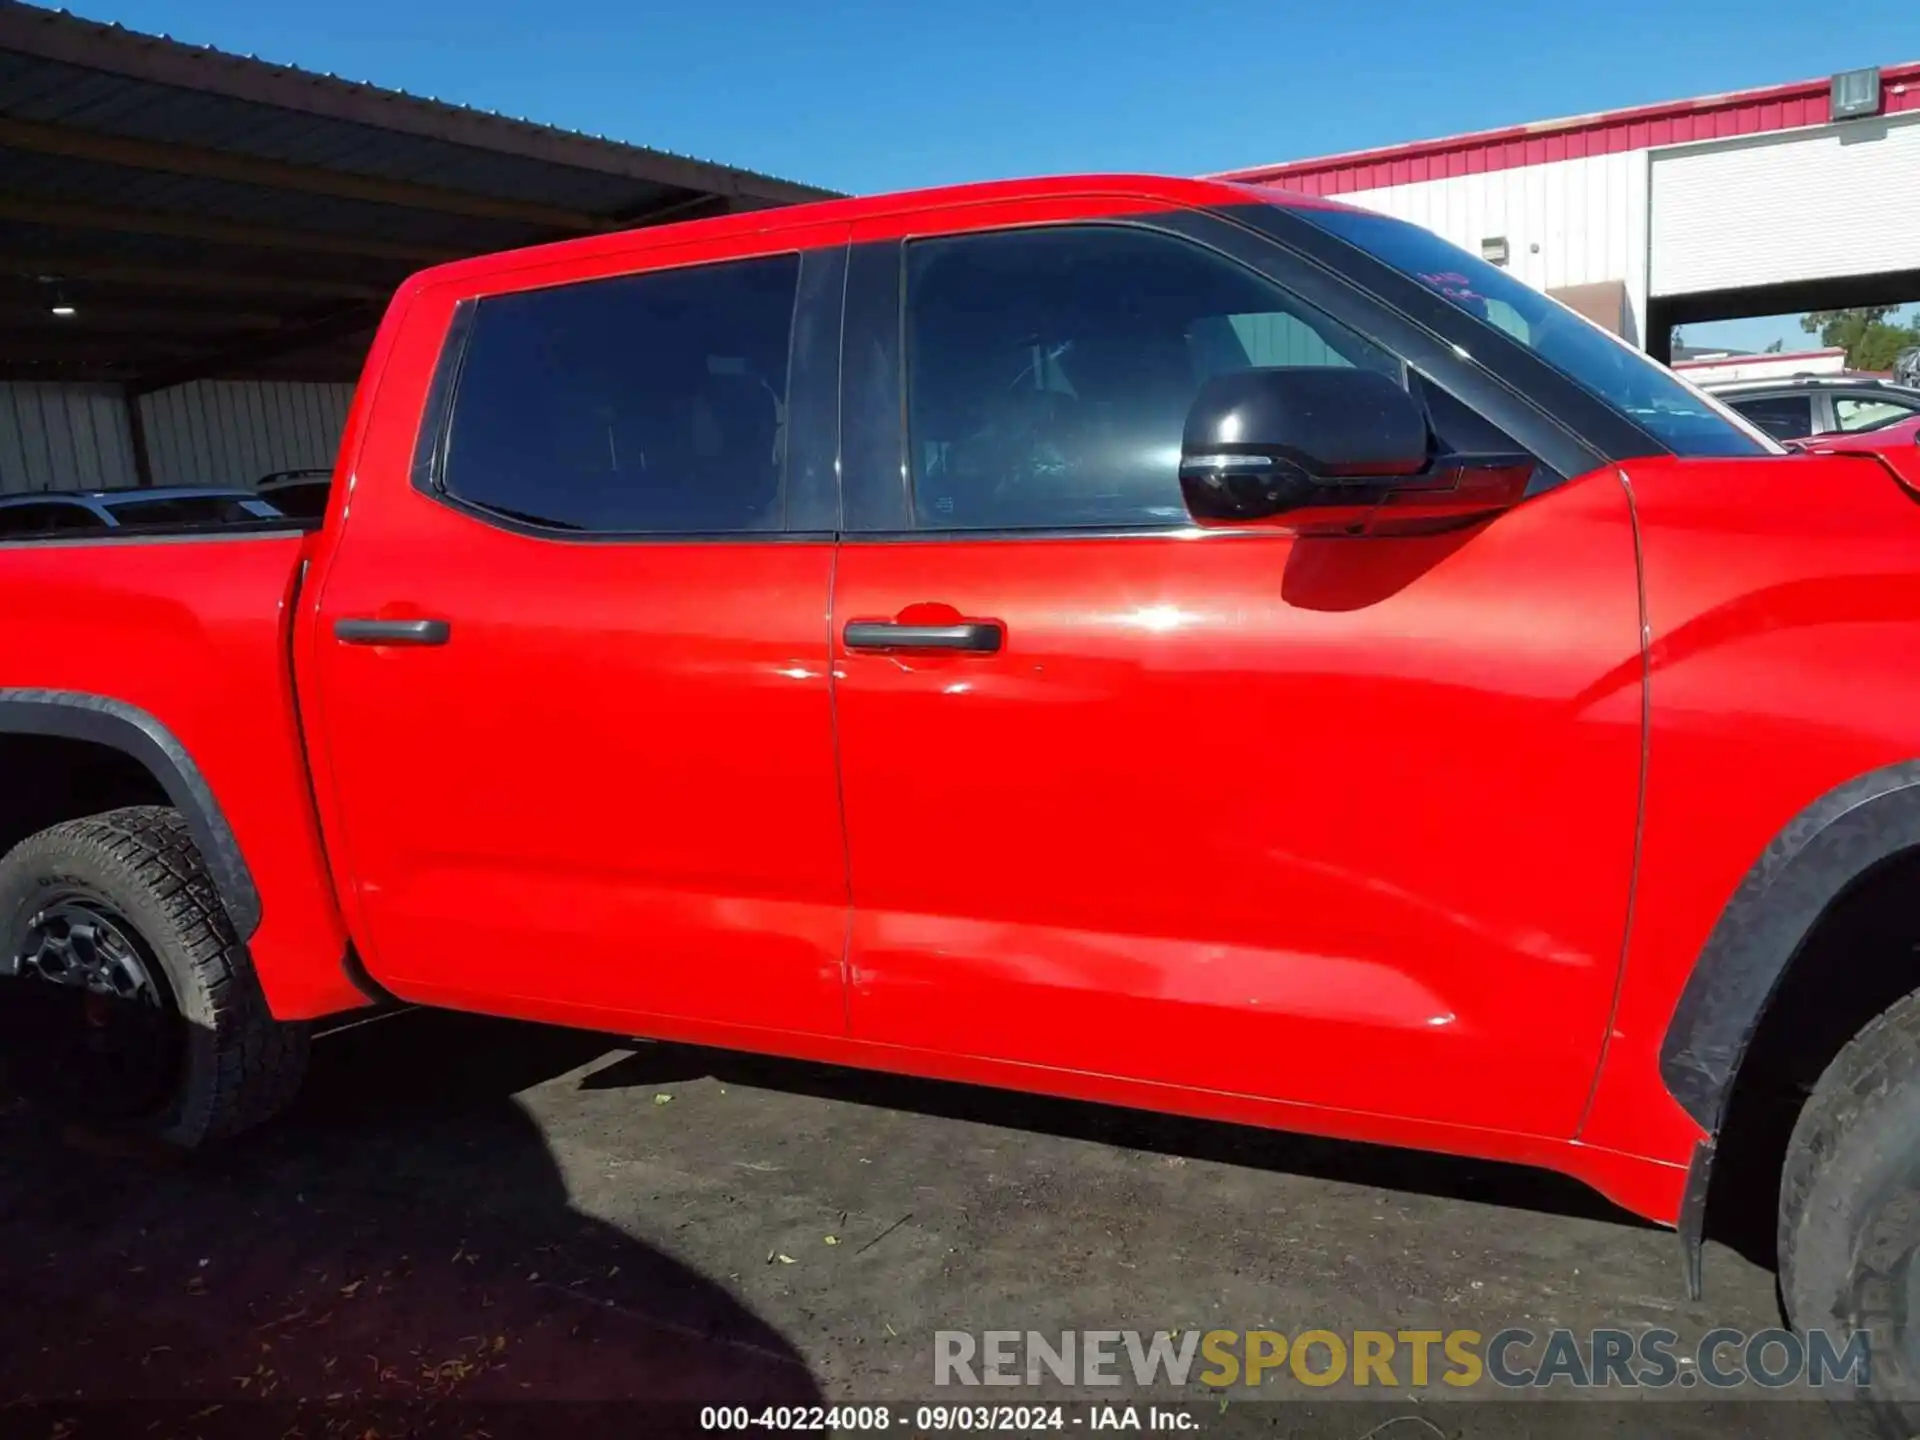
column 1775, row 347
column 1871, row 341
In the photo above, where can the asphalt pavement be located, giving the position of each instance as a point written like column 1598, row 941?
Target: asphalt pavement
column 489, row 1227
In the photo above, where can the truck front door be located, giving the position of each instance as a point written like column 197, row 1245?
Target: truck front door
column 1342, row 821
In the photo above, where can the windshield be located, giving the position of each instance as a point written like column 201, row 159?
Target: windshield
column 1667, row 408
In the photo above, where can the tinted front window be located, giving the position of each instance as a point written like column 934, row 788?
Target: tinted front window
column 1050, row 370
column 1785, row 417
column 1669, row 410
column 645, row 404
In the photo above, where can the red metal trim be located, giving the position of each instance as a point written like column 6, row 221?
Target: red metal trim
column 1608, row 132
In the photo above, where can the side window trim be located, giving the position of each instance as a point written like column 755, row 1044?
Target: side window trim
column 875, row 484
column 811, row 493
column 813, row 401
column 436, row 415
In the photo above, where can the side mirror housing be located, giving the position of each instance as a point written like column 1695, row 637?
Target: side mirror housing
column 1259, row 443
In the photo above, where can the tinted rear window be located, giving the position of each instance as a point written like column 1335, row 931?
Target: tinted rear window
column 1785, row 417
column 646, row 404
column 46, row 518
column 181, row 510
column 306, row 500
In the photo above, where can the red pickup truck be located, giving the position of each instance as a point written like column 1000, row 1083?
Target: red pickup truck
column 1169, row 643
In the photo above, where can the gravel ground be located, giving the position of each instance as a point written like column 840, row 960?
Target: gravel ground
column 490, row 1226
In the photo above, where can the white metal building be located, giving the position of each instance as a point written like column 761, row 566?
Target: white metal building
column 1781, row 365
column 1758, row 202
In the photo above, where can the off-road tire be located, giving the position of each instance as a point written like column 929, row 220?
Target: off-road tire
column 239, row 1065
column 1850, row 1206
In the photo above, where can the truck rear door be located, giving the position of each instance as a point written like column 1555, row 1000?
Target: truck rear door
column 572, row 655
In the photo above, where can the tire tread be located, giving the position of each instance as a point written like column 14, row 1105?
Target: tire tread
column 256, row 1061
column 1860, row 1079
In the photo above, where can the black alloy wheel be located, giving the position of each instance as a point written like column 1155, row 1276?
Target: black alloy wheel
column 96, row 1032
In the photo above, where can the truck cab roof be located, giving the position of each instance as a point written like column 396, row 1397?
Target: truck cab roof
column 892, row 215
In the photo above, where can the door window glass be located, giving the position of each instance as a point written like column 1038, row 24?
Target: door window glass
column 1785, row 417
column 1867, row 412
column 646, row 404
column 181, row 510
column 47, row 517
column 1050, row 370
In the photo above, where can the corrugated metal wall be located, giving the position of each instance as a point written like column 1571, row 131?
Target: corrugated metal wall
column 1858, row 213
column 1570, row 222
column 63, row 437
column 231, row 432
column 221, row 432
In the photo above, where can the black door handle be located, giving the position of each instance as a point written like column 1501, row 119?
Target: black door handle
column 979, row 637
column 392, row 632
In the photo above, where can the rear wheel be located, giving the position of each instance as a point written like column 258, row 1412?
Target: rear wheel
column 128, row 1000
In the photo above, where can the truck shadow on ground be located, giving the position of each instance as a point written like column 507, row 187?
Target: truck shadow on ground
column 1442, row 1176
column 403, row 1238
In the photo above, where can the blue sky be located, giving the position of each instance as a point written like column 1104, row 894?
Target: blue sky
column 866, row 95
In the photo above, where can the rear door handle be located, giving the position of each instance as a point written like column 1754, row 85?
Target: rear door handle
column 978, row 637
column 392, row 632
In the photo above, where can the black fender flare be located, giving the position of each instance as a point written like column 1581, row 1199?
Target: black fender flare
column 75, row 715
column 1819, row 854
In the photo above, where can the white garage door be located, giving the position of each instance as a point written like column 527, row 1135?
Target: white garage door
column 1804, row 205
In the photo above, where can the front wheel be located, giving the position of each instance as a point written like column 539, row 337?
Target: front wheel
column 1850, row 1208
column 127, row 999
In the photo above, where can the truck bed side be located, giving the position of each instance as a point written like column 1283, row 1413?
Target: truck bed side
column 172, row 651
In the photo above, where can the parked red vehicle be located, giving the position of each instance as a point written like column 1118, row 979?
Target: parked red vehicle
column 1896, row 435
column 1160, row 642
column 1827, row 412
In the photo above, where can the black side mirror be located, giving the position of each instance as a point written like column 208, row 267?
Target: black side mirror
column 1263, row 442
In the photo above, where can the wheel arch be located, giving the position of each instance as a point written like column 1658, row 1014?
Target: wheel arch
column 1816, row 860
column 1821, row 853
column 118, row 726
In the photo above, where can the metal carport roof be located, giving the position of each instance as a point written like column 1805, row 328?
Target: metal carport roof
column 211, row 215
